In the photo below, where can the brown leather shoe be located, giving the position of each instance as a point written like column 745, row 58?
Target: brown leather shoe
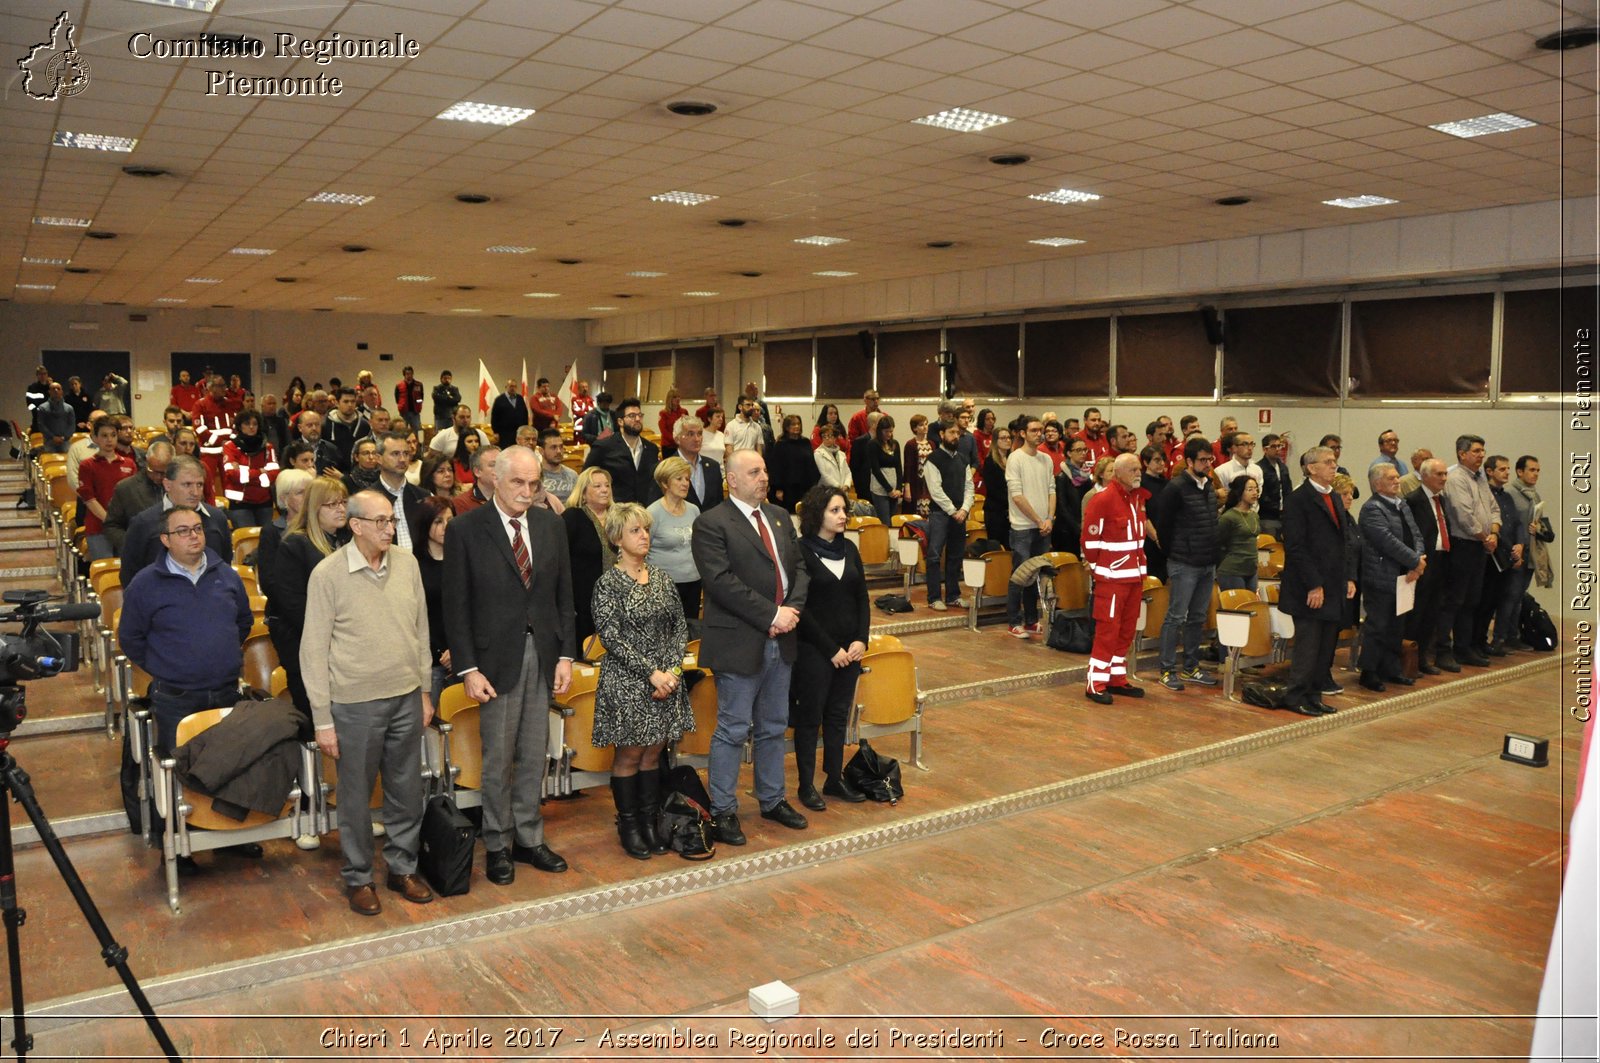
column 364, row 900
column 411, row 887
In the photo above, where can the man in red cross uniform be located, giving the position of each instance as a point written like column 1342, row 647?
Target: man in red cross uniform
column 1113, row 551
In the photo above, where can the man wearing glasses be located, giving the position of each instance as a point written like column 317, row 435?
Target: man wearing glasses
column 1186, row 520
column 368, row 673
column 628, row 457
column 184, row 619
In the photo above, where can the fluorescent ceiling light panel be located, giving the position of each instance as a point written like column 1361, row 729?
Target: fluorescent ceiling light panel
column 349, row 199
column 822, row 241
column 602, row 308
column 962, row 120
column 252, row 251
column 203, row 6
column 418, row 277
column 510, row 249
column 93, row 141
column 45, row 261
column 1483, row 125
column 170, row 299
column 686, row 199
column 646, row 273
column 541, row 295
column 1064, row 195
column 347, row 298
column 1056, row 241
column 202, row 280
column 37, row 287
column 465, row 310
column 487, row 113
column 834, row 273
column 1357, row 202
column 702, row 294
column 71, row 223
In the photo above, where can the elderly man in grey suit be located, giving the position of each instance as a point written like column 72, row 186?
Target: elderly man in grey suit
column 755, row 587
column 508, row 611
column 1394, row 548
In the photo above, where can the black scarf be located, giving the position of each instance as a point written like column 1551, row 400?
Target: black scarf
column 250, row 444
column 832, row 551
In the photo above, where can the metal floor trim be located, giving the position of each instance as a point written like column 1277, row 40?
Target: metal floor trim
column 912, row 627
column 196, row 985
column 34, row 572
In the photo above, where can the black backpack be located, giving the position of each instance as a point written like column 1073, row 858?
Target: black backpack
column 1538, row 630
column 1266, row 694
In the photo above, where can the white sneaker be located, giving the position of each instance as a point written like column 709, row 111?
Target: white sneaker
column 1018, row 631
column 937, row 606
column 377, row 829
column 308, row 842
column 962, row 603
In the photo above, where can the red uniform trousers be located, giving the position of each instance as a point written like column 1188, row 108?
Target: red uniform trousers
column 1116, row 623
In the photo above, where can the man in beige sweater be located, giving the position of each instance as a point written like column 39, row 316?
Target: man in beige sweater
column 364, row 655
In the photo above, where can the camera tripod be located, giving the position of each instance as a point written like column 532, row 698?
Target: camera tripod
column 14, row 781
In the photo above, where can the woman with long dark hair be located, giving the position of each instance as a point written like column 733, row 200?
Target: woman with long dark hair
column 830, row 416
column 833, row 639
column 1237, row 529
column 791, row 465
column 883, row 470
column 996, row 503
column 438, row 475
column 588, row 548
column 433, row 517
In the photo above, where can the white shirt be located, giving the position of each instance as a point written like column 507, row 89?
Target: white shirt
column 745, row 435
column 1234, row 467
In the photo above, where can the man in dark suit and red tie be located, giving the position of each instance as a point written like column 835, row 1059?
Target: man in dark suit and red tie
column 508, row 608
column 1314, row 585
column 755, row 587
column 1433, row 521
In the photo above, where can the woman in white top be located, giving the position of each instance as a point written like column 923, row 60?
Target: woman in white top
column 672, row 522
column 832, row 462
column 714, row 444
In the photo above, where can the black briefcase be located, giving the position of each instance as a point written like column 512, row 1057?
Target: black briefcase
column 445, row 854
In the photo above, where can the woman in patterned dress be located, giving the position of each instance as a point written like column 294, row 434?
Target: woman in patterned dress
column 640, row 702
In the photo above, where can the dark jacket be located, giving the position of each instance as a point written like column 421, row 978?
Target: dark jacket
column 509, row 413
column 1186, row 519
column 1066, row 531
column 247, row 761
column 711, row 472
column 837, row 611
column 628, row 483
column 142, row 546
column 741, row 583
column 186, row 634
column 1392, row 545
column 446, row 397
column 1427, row 522
column 1314, row 554
column 586, row 557
column 1275, row 488
column 132, row 496
column 791, row 470
column 1155, row 554
column 343, row 438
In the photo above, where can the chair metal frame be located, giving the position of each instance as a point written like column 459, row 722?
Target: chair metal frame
column 890, row 664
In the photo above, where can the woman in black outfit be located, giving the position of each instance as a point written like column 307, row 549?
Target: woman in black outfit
column 996, row 503
column 833, row 639
column 1073, row 484
column 318, row 530
column 791, row 465
column 588, row 547
column 433, row 517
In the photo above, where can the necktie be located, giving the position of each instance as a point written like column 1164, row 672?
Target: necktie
column 519, row 553
column 1332, row 512
column 772, row 552
column 1444, row 533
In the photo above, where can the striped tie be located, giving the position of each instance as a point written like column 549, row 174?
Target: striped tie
column 519, row 552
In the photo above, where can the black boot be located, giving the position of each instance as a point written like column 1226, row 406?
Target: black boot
column 650, row 808
column 837, row 786
column 625, row 792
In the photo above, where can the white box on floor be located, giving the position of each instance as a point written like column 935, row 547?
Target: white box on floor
column 775, row 1000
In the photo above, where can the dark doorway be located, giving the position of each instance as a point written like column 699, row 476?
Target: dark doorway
column 196, row 362
column 90, row 367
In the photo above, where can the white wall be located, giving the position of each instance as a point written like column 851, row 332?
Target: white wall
column 314, row 346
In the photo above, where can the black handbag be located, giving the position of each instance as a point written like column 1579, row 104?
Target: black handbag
column 1071, row 634
column 1538, row 630
column 684, row 818
column 875, row 775
column 894, row 603
column 444, row 855
column 1265, row 694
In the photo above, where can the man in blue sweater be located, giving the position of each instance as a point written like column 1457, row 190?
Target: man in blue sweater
column 184, row 620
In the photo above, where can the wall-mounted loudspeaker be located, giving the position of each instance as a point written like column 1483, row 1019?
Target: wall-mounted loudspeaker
column 865, row 338
column 1213, row 324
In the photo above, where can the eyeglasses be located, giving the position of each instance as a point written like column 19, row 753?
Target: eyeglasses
column 188, row 530
column 335, row 505
column 381, row 522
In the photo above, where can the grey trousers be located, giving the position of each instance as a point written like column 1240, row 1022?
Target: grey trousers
column 514, row 728
column 383, row 736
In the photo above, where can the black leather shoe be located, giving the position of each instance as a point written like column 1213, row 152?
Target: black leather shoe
column 1126, row 691
column 811, row 799
column 541, row 857
column 783, row 812
column 498, row 868
column 248, row 850
column 837, row 786
column 1100, row 697
column 1447, row 664
column 187, row 867
column 726, row 828
column 1304, row 708
column 1477, row 660
column 1427, row 669
column 1400, row 680
column 1494, row 650
column 1372, row 682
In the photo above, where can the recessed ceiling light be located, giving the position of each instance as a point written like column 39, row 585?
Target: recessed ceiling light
column 471, row 197
column 487, row 113
column 940, row 245
column 686, row 199
column 1483, row 125
column 354, row 249
column 286, row 280
column 72, row 223
column 732, row 223
column 570, row 261
column 1011, row 158
column 601, row 308
column 203, row 6
column 170, row 299
column 541, row 295
column 145, row 171
column 349, row 199
column 100, row 234
column 1064, row 195
column 465, row 310
column 202, row 280
column 37, row 287
column 963, row 120
column 822, row 241
column 1232, row 201
column 1357, row 202
column 251, row 251
column 834, row 273
column 347, row 298
column 702, row 294
column 45, row 261
column 750, row 273
column 646, row 273
column 93, row 141
column 692, row 108
column 413, row 277
column 510, row 249
column 1056, row 241
column 79, row 269
column 1566, row 40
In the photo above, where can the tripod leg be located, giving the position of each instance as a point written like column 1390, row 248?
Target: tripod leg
column 14, row 917
column 15, row 780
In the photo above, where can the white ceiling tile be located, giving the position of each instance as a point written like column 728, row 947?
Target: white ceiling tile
column 590, row 54
column 948, row 54
column 946, row 17
column 869, row 37
column 1172, row 28
column 1391, row 42
column 1334, row 22
column 1094, row 14
column 806, row 61
column 637, row 28
column 555, row 18
column 495, row 39
column 1089, row 51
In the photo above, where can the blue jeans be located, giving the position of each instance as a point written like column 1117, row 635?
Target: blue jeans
column 169, row 705
column 884, row 507
column 1022, row 603
column 947, row 540
column 1188, row 599
column 99, row 547
column 1508, row 617
column 746, row 703
column 1237, row 583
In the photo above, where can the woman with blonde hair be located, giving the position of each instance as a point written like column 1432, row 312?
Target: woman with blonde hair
column 640, row 701
column 672, row 519
column 290, row 488
column 589, row 549
column 316, row 531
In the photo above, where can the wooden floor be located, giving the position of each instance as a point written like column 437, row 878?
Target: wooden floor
column 1385, row 888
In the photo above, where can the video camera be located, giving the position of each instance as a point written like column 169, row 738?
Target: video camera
column 35, row 653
